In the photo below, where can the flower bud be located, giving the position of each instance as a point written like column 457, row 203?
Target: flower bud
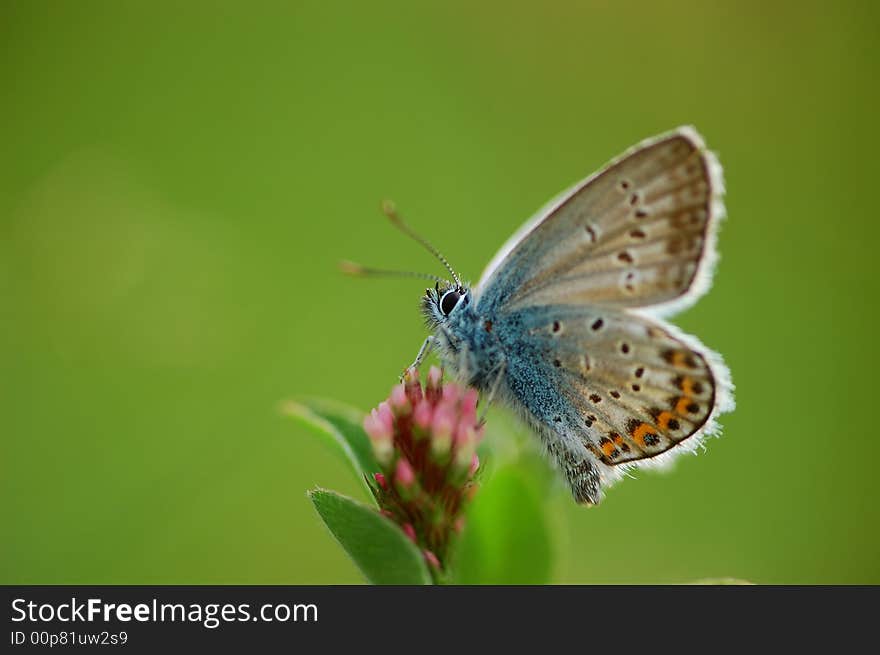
column 431, row 559
column 469, row 406
column 435, row 375
column 442, row 426
column 475, row 465
column 425, row 441
column 399, row 400
column 404, row 476
column 385, row 416
column 380, row 437
column 423, row 415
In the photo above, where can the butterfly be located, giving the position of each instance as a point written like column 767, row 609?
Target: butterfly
column 566, row 323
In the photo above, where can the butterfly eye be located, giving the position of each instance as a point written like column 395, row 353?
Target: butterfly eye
column 449, row 301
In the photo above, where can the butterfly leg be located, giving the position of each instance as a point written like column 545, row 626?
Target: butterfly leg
column 424, row 351
column 502, row 367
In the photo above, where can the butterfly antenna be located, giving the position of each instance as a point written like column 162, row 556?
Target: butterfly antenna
column 390, row 211
column 356, row 270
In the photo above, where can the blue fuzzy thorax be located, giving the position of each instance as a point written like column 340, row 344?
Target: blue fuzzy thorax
column 468, row 343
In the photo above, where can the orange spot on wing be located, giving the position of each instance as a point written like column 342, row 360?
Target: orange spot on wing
column 690, row 387
column 663, row 419
column 679, row 358
column 642, row 431
column 607, row 447
column 681, row 406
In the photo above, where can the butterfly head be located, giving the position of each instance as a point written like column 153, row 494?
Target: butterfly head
column 444, row 301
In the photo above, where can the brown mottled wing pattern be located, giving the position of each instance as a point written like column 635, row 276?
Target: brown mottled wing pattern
column 639, row 233
column 637, row 389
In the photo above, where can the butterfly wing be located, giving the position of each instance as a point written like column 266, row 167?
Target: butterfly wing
column 575, row 298
column 638, row 234
column 617, row 388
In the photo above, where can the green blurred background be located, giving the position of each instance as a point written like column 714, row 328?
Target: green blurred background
column 179, row 180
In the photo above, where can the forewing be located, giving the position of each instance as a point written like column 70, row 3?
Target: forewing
column 630, row 387
column 640, row 233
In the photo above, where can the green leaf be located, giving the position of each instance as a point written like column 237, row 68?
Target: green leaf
column 377, row 545
column 506, row 539
column 339, row 426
